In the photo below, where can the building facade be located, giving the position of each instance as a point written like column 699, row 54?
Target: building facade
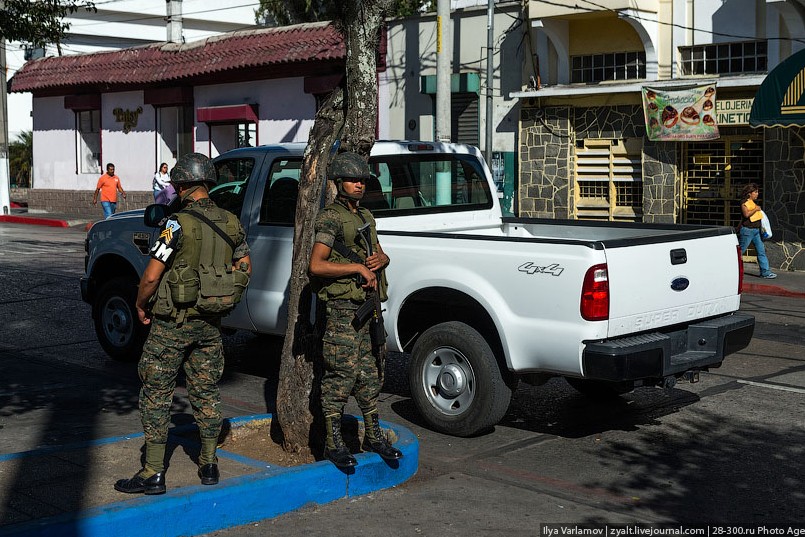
column 141, row 106
column 124, row 24
column 584, row 148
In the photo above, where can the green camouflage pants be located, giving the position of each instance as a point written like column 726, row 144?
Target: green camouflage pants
column 196, row 344
column 349, row 365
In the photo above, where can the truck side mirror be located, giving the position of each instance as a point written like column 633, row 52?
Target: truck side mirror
column 156, row 214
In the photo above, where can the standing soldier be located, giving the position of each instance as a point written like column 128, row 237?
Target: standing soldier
column 201, row 246
column 343, row 274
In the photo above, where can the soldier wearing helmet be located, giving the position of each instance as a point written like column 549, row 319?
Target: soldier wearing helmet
column 342, row 274
column 199, row 242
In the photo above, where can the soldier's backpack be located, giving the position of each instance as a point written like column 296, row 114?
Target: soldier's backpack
column 220, row 285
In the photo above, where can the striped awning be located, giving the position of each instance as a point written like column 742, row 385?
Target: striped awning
column 780, row 100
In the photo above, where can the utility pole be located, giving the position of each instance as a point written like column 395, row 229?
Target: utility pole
column 174, row 21
column 5, row 198
column 444, row 50
column 490, row 76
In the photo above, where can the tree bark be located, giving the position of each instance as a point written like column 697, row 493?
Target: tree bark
column 298, row 408
column 348, row 119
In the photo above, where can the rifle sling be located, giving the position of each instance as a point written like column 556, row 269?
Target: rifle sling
column 342, row 249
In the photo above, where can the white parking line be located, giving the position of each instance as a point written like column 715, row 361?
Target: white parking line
column 772, row 386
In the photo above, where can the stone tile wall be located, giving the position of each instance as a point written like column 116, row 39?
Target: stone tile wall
column 661, row 193
column 545, row 166
column 784, row 199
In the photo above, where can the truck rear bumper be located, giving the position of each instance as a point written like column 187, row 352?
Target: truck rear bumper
column 656, row 355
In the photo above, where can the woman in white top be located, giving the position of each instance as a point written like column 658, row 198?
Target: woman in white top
column 162, row 180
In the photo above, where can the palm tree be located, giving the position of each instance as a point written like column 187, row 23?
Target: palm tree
column 21, row 156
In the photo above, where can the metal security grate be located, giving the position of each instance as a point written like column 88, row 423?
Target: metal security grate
column 715, row 173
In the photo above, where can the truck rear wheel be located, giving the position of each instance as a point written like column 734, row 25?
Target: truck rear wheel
column 600, row 389
column 456, row 382
column 119, row 331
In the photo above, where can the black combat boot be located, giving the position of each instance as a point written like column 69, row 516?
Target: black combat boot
column 374, row 440
column 208, row 462
column 154, row 484
column 335, row 449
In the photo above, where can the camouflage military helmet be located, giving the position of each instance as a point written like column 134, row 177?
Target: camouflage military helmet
column 194, row 168
column 348, row 165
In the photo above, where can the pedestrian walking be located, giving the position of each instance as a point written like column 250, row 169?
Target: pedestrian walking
column 163, row 190
column 749, row 229
column 344, row 272
column 201, row 247
column 108, row 186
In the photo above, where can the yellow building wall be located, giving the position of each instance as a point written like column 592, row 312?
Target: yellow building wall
column 604, row 34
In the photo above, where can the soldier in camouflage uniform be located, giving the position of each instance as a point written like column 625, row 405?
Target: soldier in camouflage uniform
column 352, row 363
column 180, row 334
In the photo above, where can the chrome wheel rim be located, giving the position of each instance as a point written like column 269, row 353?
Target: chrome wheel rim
column 449, row 381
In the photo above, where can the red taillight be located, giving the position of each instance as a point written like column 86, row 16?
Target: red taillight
column 595, row 294
column 740, row 271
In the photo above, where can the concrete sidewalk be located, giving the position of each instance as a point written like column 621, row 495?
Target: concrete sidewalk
column 80, row 474
column 24, row 216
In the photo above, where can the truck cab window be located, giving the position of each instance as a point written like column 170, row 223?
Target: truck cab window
column 426, row 183
column 233, row 176
column 282, row 189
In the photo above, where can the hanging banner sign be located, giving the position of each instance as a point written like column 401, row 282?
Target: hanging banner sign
column 681, row 114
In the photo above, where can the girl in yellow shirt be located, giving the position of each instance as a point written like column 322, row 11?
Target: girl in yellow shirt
column 750, row 228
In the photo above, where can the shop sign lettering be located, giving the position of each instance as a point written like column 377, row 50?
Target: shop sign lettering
column 127, row 117
column 733, row 111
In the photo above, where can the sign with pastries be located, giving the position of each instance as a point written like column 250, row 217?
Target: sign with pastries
column 687, row 114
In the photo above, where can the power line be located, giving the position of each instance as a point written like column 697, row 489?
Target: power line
column 157, row 17
column 663, row 23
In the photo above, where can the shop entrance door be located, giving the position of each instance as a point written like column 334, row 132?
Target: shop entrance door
column 714, row 174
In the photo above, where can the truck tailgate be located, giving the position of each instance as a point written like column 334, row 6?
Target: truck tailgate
column 656, row 284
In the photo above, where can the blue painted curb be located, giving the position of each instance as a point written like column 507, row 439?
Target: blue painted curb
column 239, row 500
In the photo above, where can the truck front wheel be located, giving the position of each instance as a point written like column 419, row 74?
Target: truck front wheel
column 117, row 327
column 456, row 382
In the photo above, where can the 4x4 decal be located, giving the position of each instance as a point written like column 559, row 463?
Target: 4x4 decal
column 532, row 268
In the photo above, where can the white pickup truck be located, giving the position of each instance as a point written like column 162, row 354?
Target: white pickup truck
column 478, row 300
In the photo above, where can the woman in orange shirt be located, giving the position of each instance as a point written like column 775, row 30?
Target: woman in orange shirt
column 750, row 228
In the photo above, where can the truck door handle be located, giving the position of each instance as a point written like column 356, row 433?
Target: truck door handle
column 679, row 256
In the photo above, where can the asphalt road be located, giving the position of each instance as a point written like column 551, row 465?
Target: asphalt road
column 727, row 450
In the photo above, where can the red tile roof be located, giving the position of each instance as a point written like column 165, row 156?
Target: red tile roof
column 163, row 63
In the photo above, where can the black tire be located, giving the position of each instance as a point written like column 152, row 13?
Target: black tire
column 456, row 382
column 600, row 389
column 117, row 327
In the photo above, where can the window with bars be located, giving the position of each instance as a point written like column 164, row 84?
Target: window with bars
column 608, row 66
column 724, row 58
column 609, row 180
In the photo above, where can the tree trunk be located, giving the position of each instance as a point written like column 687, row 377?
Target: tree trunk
column 349, row 116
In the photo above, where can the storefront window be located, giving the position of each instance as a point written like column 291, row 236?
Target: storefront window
column 174, row 133
column 226, row 136
column 89, row 141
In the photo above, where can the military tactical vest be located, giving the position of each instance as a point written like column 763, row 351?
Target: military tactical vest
column 347, row 288
column 201, row 281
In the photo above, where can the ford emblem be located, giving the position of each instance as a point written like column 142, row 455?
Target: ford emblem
column 680, row 284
